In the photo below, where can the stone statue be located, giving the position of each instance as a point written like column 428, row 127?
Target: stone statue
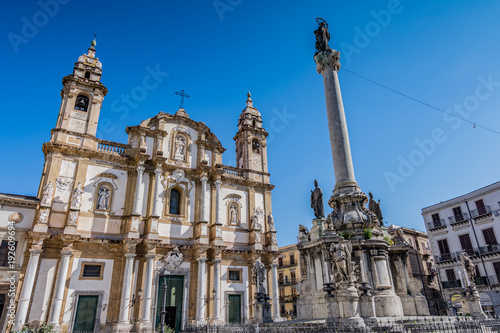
column 375, row 207
column 234, row 214
column 76, row 197
column 469, row 267
column 103, row 198
column 43, row 215
column 73, row 218
column 257, row 213
column 317, row 201
column 270, row 221
column 322, row 35
column 399, row 238
column 303, row 232
column 180, row 147
column 259, row 276
column 47, row 194
column 342, row 266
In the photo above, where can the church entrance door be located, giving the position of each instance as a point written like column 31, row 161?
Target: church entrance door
column 234, row 309
column 175, row 290
column 85, row 315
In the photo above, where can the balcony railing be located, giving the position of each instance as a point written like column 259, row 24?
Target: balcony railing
column 232, row 171
column 481, row 212
column 452, row 284
column 470, row 252
column 111, row 147
column 286, row 263
column 446, row 257
column 489, row 249
column 481, row 281
column 458, row 218
column 438, row 224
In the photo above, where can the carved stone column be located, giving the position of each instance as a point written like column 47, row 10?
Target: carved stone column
column 202, row 289
column 218, row 183
column 57, row 301
column 139, row 191
column 204, row 199
column 27, row 287
column 157, row 203
column 217, row 289
column 148, row 288
column 275, row 296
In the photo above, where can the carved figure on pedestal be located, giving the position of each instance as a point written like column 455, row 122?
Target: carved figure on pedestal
column 322, row 35
column 304, row 232
column 76, row 197
column 399, row 238
column 180, row 147
column 342, row 266
column 73, row 218
column 270, row 222
column 47, row 194
column 103, row 198
column 259, row 276
column 375, row 207
column 469, row 267
column 317, row 201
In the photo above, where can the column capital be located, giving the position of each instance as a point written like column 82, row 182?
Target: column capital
column 204, row 179
column 140, row 168
column 35, row 252
column 158, row 170
column 66, row 253
column 130, row 256
column 327, row 60
column 218, row 183
column 202, row 259
column 217, row 261
column 150, row 256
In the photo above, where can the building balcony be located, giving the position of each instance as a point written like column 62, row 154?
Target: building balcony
column 289, row 298
column 446, row 257
column 436, row 225
column 458, row 219
column 286, row 281
column 481, row 281
column 481, row 212
column 452, row 284
column 490, row 249
column 470, row 252
column 287, row 263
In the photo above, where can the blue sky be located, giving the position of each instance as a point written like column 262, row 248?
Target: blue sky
column 409, row 155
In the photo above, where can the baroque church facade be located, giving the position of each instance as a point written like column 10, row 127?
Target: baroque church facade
column 118, row 226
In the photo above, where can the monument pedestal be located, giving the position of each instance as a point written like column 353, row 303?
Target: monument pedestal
column 366, row 306
column 471, row 305
column 262, row 313
column 348, row 305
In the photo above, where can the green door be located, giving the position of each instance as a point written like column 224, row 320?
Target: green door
column 175, row 289
column 234, row 309
column 86, row 311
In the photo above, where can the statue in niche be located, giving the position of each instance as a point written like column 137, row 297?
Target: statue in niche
column 47, row 194
column 76, row 197
column 342, row 266
column 317, row 201
column 233, row 214
column 180, row 147
column 270, row 222
column 469, row 267
column 322, row 35
column 103, row 198
column 259, row 276
column 374, row 207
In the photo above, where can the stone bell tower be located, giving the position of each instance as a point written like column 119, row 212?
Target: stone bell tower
column 82, row 97
column 251, row 146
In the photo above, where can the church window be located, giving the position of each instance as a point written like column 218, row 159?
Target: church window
column 90, row 270
column 82, row 103
column 87, row 74
column 234, row 275
column 4, row 252
column 175, row 202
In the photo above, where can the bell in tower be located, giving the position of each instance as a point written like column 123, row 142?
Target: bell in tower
column 251, row 153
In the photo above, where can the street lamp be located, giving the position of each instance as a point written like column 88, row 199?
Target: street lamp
column 164, row 307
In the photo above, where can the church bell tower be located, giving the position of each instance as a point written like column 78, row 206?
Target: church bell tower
column 82, row 97
column 251, row 146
